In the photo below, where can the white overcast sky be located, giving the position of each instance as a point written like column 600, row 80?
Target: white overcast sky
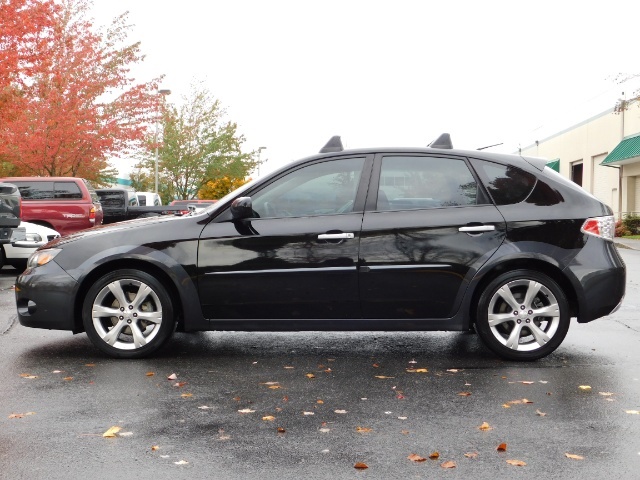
column 292, row 73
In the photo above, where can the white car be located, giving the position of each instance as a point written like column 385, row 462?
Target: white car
column 17, row 254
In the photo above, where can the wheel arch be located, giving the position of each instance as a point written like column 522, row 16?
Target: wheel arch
column 538, row 265
column 161, row 275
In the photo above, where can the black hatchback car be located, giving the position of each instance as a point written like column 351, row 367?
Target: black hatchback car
column 373, row 239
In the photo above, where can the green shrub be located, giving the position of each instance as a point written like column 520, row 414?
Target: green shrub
column 631, row 221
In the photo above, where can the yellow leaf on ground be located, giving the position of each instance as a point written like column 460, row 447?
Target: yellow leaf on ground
column 574, row 457
column 606, row 394
column 310, row 375
column 186, row 395
column 275, row 387
column 485, row 427
column 181, row 462
column 340, row 411
column 632, row 412
column 584, row 387
column 517, row 463
column 449, row 464
column 111, row 433
column 269, row 418
column 416, row 458
column 382, row 376
column 246, row 410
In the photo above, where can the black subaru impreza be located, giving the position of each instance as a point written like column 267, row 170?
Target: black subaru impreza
column 396, row 239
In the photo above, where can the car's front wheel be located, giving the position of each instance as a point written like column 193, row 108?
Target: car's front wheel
column 522, row 315
column 128, row 314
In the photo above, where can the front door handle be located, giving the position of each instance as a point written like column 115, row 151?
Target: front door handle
column 335, row 236
column 478, row 229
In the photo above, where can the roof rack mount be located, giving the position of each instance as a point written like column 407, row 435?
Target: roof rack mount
column 443, row 141
column 333, row 145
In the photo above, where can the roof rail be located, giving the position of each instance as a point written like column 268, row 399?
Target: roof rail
column 333, row 145
column 443, row 141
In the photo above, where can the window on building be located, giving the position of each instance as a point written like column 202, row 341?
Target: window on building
column 576, row 172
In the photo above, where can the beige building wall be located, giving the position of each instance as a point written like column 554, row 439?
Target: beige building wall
column 588, row 143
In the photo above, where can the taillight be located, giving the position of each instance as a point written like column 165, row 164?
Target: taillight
column 92, row 215
column 603, row 227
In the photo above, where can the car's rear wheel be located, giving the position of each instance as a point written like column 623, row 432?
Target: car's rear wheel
column 128, row 314
column 522, row 315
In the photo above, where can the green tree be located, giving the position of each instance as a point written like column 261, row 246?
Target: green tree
column 198, row 145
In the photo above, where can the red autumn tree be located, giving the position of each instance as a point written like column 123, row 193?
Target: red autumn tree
column 69, row 103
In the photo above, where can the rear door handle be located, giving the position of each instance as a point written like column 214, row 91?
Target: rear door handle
column 478, row 229
column 335, row 236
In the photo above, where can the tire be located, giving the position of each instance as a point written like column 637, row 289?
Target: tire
column 522, row 315
column 120, row 323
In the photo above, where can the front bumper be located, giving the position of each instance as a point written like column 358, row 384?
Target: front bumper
column 45, row 297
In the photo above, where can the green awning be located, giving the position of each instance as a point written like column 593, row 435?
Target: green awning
column 627, row 151
column 554, row 165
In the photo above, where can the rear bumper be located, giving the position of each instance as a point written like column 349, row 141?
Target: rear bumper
column 599, row 275
column 44, row 298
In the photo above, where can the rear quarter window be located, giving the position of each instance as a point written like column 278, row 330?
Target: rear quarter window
column 505, row 183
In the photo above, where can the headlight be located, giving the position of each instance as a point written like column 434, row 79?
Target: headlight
column 34, row 237
column 42, row 257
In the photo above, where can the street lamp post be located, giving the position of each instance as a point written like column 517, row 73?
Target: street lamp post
column 259, row 153
column 164, row 93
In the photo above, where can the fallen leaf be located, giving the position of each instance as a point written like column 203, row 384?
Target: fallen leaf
column 404, row 432
column 543, row 381
column 281, row 430
column 453, row 370
column 416, row 458
column 68, row 379
column 179, row 384
column 28, row 375
column 324, row 430
column 517, row 463
column 204, row 407
column 402, row 418
column 417, row 370
column 89, row 364
column 382, row 376
column 361, row 466
column 237, row 399
column 502, row 447
column 527, row 383
column 464, row 394
column 289, row 367
column 363, row 429
column 111, row 433
column 125, row 434
column 269, row 418
column 375, row 365
column 632, row 412
column 246, row 410
column 173, row 376
column 434, row 455
column 584, row 387
column 471, row 455
column 573, row 456
column 449, row 464
column 186, row 395
column 542, row 414
column 150, row 374
column 606, row 394
column 275, row 387
column 340, row 411
column 155, row 448
column 269, row 383
column 181, row 462
column 21, row 415
column 319, row 402
column 308, row 413
column 310, row 375
column 57, row 371
column 506, row 405
column 485, row 427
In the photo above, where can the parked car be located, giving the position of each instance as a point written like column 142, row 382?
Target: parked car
column 149, row 199
column 119, row 204
column 195, row 202
column 369, row 239
column 10, row 213
column 17, row 253
column 64, row 204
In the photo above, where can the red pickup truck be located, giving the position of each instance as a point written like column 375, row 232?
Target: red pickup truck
column 66, row 204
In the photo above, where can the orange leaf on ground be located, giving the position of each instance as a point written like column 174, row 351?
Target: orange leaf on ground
column 574, row 457
column 268, row 418
column 154, row 448
column 111, row 433
column 416, row 458
column 281, row 430
column 150, row 374
column 449, row 464
column 502, row 447
column 360, row 466
column 464, row 394
column 517, row 463
column 471, row 455
column 434, row 455
column 485, row 427
column 21, row 415
column 363, row 429
column 186, row 395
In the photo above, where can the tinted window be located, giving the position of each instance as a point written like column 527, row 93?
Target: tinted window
column 66, row 190
column 35, row 190
column 142, row 199
column 506, row 184
column 318, row 189
column 425, row 182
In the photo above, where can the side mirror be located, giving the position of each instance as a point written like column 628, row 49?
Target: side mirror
column 241, row 208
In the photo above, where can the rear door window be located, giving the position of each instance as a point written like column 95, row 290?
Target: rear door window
column 506, row 184
column 67, row 191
